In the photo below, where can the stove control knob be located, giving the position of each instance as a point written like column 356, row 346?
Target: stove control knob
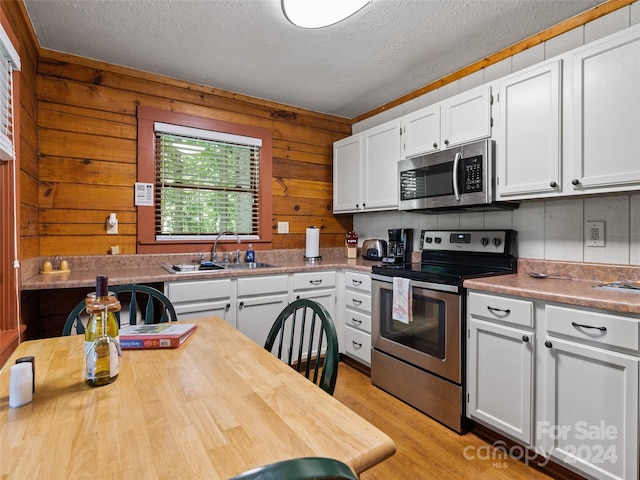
column 484, row 241
column 437, row 240
column 497, row 241
column 428, row 239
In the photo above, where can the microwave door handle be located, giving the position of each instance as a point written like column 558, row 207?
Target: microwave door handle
column 456, row 161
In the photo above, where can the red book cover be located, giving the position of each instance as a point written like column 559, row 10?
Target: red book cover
column 157, row 335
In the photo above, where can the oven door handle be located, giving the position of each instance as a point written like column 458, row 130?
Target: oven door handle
column 456, row 161
column 438, row 287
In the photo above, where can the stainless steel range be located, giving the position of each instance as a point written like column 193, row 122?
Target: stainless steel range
column 419, row 357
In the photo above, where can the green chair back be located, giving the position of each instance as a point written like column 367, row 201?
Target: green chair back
column 152, row 303
column 308, row 468
column 304, row 337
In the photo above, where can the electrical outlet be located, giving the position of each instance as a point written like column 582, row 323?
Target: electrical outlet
column 283, row 227
column 595, row 234
column 112, row 227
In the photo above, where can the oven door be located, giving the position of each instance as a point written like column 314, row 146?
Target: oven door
column 432, row 341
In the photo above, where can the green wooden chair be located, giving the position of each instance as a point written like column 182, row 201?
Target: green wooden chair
column 304, row 337
column 151, row 303
column 308, row 468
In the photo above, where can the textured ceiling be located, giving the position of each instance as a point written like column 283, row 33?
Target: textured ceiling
column 388, row 49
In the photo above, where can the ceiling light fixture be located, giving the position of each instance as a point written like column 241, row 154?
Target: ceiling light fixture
column 320, row 13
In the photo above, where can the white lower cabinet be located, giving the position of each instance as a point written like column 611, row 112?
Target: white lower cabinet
column 356, row 303
column 201, row 298
column 500, row 364
column 581, row 408
column 260, row 300
column 591, row 422
column 317, row 286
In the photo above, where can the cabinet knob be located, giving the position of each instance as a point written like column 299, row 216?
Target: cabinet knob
column 575, row 181
column 548, row 344
column 446, row 142
column 241, row 304
column 553, row 184
column 435, row 145
column 525, row 338
column 227, row 306
column 297, row 297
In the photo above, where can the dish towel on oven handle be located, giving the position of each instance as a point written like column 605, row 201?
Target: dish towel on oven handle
column 402, row 300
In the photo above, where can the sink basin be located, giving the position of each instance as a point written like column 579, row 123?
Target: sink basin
column 246, row 266
column 194, row 268
column 179, row 268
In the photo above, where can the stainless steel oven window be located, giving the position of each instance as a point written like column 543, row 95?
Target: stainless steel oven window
column 426, row 333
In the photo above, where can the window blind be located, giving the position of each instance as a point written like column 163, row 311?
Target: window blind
column 9, row 61
column 206, row 182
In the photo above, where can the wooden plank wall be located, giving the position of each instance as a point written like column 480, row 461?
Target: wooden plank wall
column 87, row 153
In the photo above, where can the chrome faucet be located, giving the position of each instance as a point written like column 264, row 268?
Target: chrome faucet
column 214, row 253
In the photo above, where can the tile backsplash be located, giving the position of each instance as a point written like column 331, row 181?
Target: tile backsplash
column 547, row 230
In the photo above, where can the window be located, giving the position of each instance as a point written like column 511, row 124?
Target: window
column 210, row 177
column 9, row 61
column 206, row 182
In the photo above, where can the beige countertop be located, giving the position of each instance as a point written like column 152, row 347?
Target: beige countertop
column 123, row 269
column 577, row 289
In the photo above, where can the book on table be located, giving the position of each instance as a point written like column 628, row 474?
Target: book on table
column 155, row 335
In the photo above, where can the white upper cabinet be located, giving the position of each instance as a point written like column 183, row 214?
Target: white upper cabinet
column 347, row 174
column 365, row 170
column 466, row 117
column 460, row 119
column 604, row 115
column 381, row 155
column 421, row 131
column 528, row 141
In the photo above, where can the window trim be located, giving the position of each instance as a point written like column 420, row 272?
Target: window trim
column 147, row 117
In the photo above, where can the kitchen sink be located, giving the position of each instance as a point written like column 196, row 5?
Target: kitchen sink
column 195, row 268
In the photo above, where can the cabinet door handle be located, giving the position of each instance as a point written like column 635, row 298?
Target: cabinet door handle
column 525, row 339
column 580, row 325
column 356, row 344
column 315, row 282
column 356, row 302
column 548, row 344
column 356, row 321
column 357, row 283
column 494, row 309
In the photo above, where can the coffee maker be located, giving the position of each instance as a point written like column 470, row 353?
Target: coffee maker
column 400, row 245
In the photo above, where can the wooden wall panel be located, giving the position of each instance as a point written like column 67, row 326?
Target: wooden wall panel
column 87, row 153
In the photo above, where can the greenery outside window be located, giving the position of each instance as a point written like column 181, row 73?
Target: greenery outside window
column 209, row 177
column 206, row 183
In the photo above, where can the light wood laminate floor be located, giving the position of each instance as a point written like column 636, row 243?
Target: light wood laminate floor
column 425, row 448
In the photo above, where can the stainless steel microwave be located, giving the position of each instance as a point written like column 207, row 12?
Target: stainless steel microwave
column 458, row 178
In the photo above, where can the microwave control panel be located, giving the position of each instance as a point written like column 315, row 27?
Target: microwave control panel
column 472, row 174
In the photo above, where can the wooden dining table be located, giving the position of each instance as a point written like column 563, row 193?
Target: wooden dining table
column 218, row 405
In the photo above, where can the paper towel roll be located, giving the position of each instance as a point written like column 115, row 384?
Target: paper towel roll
column 313, row 243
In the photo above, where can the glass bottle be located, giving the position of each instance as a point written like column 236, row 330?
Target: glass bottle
column 102, row 344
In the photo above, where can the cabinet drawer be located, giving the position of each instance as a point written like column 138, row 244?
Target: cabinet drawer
column 358, row 344
column 262, row 285
column 503, row 309
column 358, row 281
column 359, row 320
column 361, row 301
column 198, row 290
column 595, row 327
column 309, row 280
